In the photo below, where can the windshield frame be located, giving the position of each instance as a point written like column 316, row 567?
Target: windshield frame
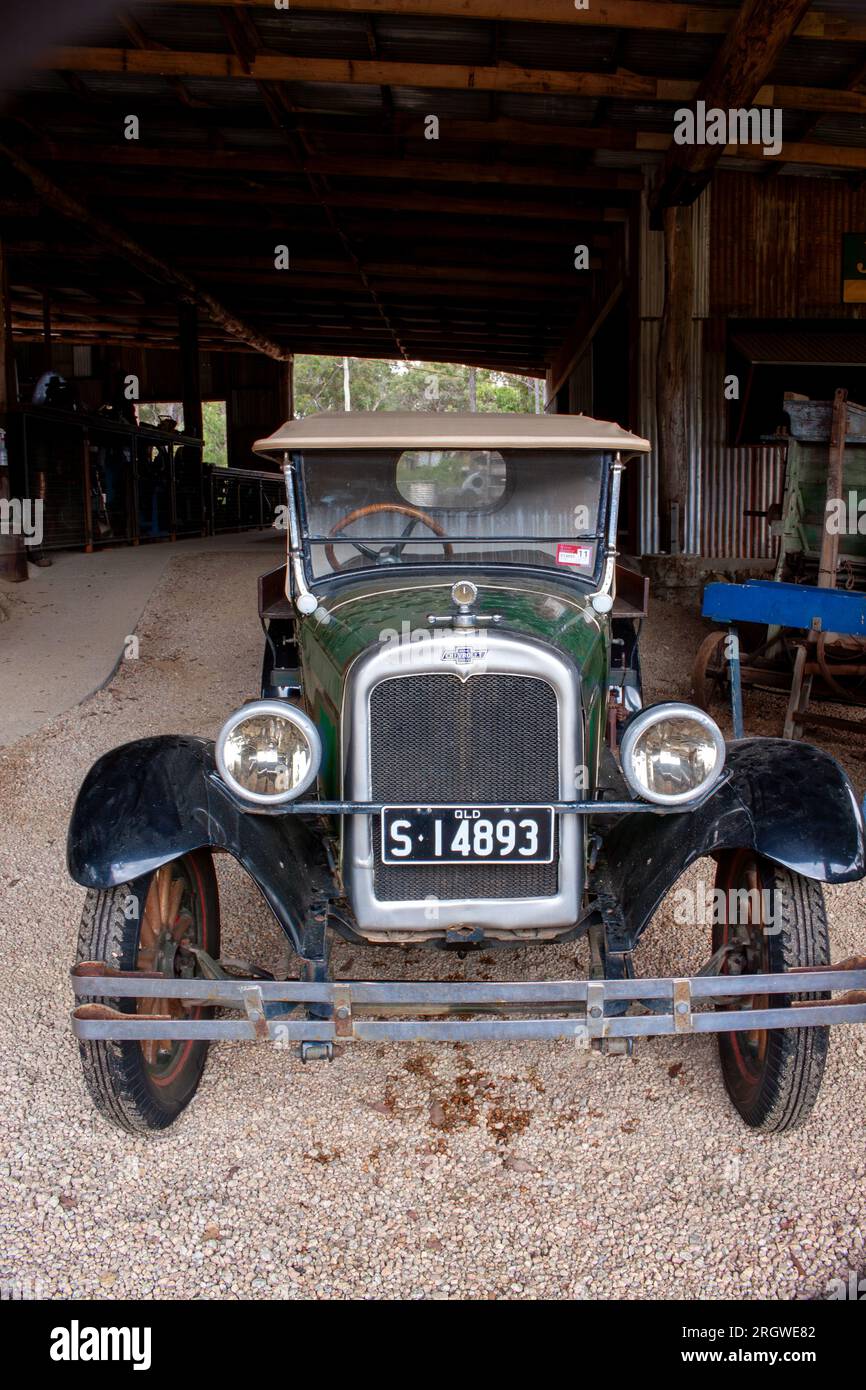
column 585, row 580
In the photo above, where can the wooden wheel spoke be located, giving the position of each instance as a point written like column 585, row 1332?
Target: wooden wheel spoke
column 165, row 923
column 161, row 885
column 182, row 925
column 175, row 897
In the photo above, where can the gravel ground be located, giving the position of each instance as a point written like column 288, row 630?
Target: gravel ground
column 490, row 1171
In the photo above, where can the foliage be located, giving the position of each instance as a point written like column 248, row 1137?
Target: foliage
column 215, row 443
column 213, row 420
column 387, row 385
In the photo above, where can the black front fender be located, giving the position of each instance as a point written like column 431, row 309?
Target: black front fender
column 788, row 801
column 148, row 802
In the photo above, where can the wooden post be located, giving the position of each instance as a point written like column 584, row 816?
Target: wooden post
column 47, row 355
column 287, row 389
column 829, row 561
column 187, row 316
column 86, row 483
column 193, row 420
column 672, row 402
column 13, row 559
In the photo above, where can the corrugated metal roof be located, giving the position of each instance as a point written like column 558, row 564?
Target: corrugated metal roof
column 818, row 62
column 310, row 35
column 459, row 106
column 335, row 96
column 129, row 85
column 415, row 39
column 549, row 110
column 216, row 92
column 840, row 130
column 681, row 55
column 191, row 28
column 562, row 47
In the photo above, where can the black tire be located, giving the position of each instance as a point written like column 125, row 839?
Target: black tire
column 134, row 1090
column 773, row 1075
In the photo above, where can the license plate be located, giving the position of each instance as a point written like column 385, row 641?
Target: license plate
column 467, row 835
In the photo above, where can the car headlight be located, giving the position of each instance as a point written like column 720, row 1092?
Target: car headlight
column 672, row 754
column 269, row 752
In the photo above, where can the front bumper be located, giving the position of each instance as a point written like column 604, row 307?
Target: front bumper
column 584, row 1011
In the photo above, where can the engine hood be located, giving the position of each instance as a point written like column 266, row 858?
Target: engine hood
column 394, row 609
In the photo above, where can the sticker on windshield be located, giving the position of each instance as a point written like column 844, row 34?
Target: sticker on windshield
column 578, row 555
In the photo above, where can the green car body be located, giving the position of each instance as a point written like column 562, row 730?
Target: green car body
column 365, row 612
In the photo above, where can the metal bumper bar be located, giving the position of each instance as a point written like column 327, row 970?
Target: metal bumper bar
column 274, row 1010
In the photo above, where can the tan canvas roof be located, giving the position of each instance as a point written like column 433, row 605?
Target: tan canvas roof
column 415, row 429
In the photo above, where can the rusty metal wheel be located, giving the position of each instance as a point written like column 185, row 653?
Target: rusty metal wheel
column 171, row 922
column 150, row 925
column 774, row 920
column 710, row 681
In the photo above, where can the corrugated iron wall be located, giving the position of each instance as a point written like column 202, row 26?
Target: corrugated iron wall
column 652, row 293
column 764, row 247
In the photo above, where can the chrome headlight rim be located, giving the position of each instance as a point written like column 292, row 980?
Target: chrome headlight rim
column 657, row 714
column 280, row 709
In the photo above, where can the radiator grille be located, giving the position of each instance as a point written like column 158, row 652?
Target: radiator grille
column 492, row 738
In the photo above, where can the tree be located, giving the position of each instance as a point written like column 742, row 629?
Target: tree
column 389, row 385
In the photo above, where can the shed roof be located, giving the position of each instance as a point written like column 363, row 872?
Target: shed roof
column 310, row 128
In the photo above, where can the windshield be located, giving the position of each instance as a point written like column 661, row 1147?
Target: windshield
column 367, row 508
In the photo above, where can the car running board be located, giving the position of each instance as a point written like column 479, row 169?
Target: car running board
column 352, row 1010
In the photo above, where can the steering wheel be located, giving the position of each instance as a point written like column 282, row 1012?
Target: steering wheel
column 390, row 553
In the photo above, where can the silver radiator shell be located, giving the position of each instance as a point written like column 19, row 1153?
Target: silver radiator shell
column 464, row 655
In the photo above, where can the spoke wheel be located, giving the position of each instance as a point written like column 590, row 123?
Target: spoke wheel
column 149, row 925
column 772, row 920
column 711, row 683
column 171, row 920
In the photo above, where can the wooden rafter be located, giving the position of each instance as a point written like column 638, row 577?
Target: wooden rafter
column 257, row 161
column 445, row 76
column 747, row 56
column 830, row 156
column 601, row 14
column 277, row 195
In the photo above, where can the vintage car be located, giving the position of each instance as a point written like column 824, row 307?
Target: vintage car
column 450, row 749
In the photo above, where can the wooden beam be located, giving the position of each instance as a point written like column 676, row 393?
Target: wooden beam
column 742, row 65
column 418, row 170
column 277, row 195
column 672, row 381
column 287, row 389
column 190, row 368
column 138, row 255
column 575, row 344
column 248, row 162
column 600, row 14
column 504, row 77
column 265, row 67
column 828, row 156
